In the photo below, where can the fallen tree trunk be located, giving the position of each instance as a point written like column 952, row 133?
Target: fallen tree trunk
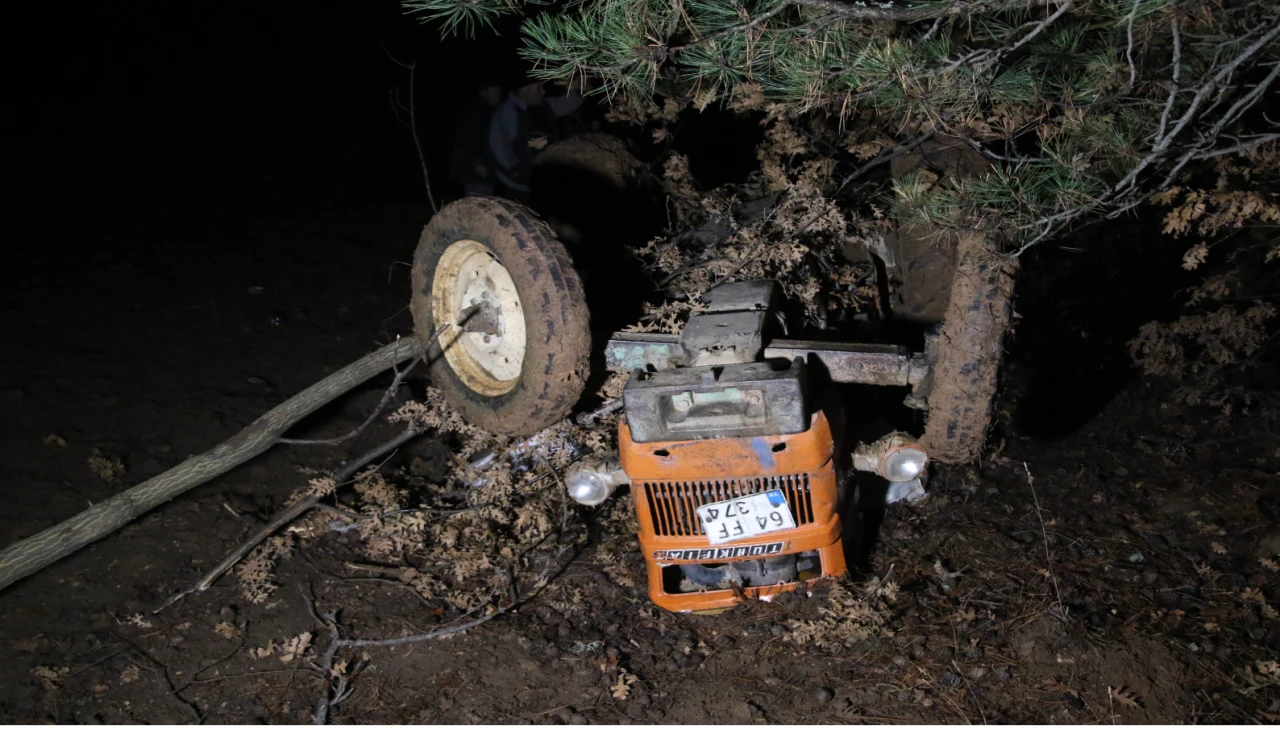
column 33, row 554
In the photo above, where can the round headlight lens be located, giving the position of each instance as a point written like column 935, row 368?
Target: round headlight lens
column 905, row 464
column 588, row 487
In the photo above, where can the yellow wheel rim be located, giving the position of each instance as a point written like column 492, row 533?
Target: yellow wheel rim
column 469, row 273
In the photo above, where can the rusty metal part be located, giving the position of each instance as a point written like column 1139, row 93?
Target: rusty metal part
column 705, row 402
column 845, row 363
column 856, row 363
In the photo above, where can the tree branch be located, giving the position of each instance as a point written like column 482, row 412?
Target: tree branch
column 1173, row 86
column 34, row 553
column 859, row 11
column 1202, row 93
column 382, row 404
column 413, row 125
column 1128, row 53
column 1260, row 139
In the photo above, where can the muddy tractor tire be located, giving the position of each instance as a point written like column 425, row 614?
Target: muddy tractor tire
column 602, row 155
column 513, row 357
column 922, row 263
column 967, row 353
column 603, row 204
column 594, row 192
column 955, row 283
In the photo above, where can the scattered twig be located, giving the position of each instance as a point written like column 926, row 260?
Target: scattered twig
column 586, row 419
column 346, row 514
column 1037, row 30
column 413, row 125
column 868, row 11
column 451, row 512
column 382, row 404
column 884, row 157
column 933, row 30
column 1162, row 145
column 195, row 676
column 977, row 700
column 174, row 691
column 337, row 686
column 1048, row 558
column 1207, row 138
column 341, row 475
column 96, row 662
column 289, row 514
column 241, row 675
column 1254, row 142
column 34, row 553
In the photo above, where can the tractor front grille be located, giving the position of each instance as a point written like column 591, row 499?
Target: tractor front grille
column 673, row 505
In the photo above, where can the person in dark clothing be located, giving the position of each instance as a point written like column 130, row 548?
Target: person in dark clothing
column 473, row 163
column 521, row 126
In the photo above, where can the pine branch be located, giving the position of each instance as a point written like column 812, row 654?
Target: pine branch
column 1084, row 108
column 960, row 9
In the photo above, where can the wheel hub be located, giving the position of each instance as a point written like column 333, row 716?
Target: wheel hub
column 485, row 341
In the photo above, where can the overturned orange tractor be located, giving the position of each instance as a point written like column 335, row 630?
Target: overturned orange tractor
column 732, row 439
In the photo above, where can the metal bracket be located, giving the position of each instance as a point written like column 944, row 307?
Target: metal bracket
column 865, row 364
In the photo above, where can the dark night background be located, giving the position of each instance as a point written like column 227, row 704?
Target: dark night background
column 150, row 103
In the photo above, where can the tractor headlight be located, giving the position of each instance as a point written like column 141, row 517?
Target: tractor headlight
column 593, row 481
column 904, row 464
column 896, row 457
column 587, row 487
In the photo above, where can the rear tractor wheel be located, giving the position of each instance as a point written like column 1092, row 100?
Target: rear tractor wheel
column 957, row 284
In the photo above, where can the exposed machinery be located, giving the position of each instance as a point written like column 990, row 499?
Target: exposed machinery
column 738, row 460
column 737, row 467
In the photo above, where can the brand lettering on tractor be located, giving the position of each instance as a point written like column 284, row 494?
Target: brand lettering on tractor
column 725, row 553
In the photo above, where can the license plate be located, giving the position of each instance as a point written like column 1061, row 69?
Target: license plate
column 745, row 517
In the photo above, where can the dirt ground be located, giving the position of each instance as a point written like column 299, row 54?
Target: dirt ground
column 1125, row 572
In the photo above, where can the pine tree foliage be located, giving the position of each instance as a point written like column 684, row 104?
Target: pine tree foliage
column 1084, row 107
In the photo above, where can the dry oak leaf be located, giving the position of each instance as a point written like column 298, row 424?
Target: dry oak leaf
column 622, row 688
column 1126, row 697
column 295, row 647
column 1195, row 256
column 50, row 677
